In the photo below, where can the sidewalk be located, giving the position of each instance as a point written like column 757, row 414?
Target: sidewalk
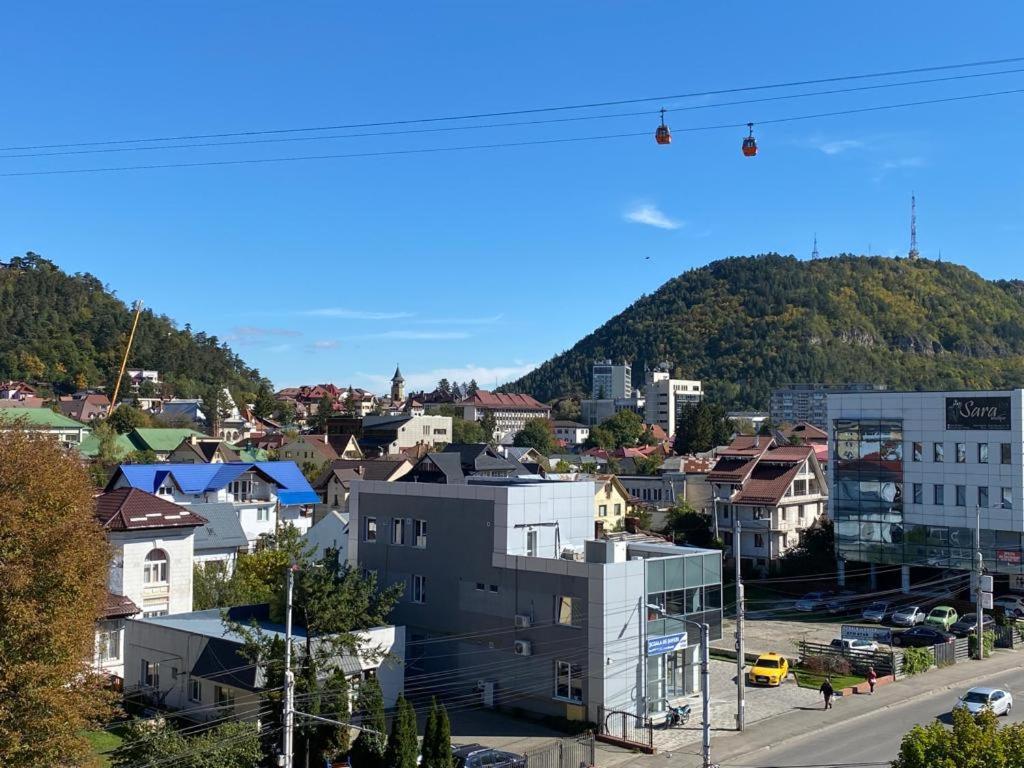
column 726, row 746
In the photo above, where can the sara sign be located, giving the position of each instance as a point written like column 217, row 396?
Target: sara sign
column 656, row 646
column 977, row 413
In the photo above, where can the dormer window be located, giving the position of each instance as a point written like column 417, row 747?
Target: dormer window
column 165, row 489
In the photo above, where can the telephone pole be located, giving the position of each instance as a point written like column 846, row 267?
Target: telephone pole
column 288, row 738
column 979, row 590
column 740, row 654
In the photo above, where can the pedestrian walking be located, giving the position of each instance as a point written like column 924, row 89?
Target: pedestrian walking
column 872, row 679
column 827, row 691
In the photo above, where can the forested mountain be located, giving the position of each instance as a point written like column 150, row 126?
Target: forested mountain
column 745, row 325
column 71, row 331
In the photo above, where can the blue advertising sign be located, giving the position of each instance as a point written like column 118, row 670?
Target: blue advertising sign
column 656, row 646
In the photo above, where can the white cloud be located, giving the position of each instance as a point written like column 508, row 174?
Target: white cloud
column 904, row 162
column 836, row 146
column 325, row 344
column 652, row 216
column 485, row 376
column 459, row 320
column 251, row 335
column 418, row 335
column 354, row 314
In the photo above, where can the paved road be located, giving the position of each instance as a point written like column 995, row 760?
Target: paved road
column 875, row 737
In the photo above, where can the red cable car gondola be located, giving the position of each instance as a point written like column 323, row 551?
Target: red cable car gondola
column 749, row 143
column 663, row 135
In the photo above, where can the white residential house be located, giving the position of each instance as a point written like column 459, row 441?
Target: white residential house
column 572, row 432
column 330, row 534
column 151, row 568
column 510, row 411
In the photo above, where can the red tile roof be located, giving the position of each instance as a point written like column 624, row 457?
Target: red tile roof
column 129, row 509
column 694, row 465
column 484, row 399
column 763, row 479
column 767, row 484
column 119, row 606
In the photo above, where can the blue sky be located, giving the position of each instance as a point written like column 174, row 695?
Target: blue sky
column 482, row 263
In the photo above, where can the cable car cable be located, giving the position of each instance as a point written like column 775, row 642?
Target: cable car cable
column 535, row 110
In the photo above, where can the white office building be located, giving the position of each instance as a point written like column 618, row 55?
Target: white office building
column 610, row 380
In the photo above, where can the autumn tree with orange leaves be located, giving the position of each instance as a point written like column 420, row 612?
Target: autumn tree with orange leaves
column 53, row 572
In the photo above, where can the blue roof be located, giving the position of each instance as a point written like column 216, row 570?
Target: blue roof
column 292, row 486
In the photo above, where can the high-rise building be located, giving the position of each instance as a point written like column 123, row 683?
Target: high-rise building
column 611, row 381
column 666, row 397
column 794, row 403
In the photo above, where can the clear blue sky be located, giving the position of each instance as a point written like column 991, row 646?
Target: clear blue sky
column 481, row 263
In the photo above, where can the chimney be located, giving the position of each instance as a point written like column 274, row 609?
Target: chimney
column 757, row 439
column 632, row 524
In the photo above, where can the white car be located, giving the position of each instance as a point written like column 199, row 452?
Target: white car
column 910, row 616
column 1012, row 605
column 977, row 699
column 849, row 644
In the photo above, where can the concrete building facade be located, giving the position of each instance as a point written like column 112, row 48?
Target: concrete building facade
column 794, row 403
column 610, row 380
column 665, row 399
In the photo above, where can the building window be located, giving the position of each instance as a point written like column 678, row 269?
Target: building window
column 480, row 586
column 983, row 453
column 569, row 681
column 195, row 690
column 917, row 451
column 983, row 496
column 165, row 489
column 564, row 611
column 150, row 674
column 419, row 589
column 1007, row 498
column 918, row 493
column 493, row 588
column 154, row 571
column 420, row 531
column 725, row 511
column 961, row 495
column 263, row 514
column 531, row 543
column 370, row 529
column 1004, row 453
column 222, row 697
column 618, row 510
column 602, row 510
column 938, row 452
column 241, row 490
column 961, row 453
column 940, row 494
column 758, row 540
column 782, row 513
column 398, row 530
column 157, row 612
column 108, row 645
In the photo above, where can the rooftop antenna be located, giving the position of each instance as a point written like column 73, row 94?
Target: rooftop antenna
column 913, row 254
column 814, row 253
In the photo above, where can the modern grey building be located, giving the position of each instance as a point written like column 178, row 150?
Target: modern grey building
column 611, row 381
column 913, row 472
column 510, row 601
column 794, row 403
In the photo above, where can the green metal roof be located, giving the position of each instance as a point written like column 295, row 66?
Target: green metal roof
column 90, row 446
column 40, row 417
column 160, row 438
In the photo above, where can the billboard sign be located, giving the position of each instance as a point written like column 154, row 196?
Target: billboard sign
column 861, row 632
column 656, row 646
column 977, row 413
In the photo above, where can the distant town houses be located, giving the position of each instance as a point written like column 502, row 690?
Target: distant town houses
column 510, row 411
column 44, row 421
column 86, row 407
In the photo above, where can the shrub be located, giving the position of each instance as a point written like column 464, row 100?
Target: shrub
column 916, row 661
column 988, row 639
column 827, row 664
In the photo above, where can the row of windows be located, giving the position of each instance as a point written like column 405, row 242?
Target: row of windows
column 1003, row 501
column 400, row 528
column 960, row 452
column 763, row 513
column 758, row 538
column 602, row 510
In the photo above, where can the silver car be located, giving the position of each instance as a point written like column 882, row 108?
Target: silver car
column 977, row 699
column 910, row 616
column 877, row 612
column 812, row 601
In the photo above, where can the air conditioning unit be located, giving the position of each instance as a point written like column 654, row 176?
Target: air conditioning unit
column 523, row 648
column 480, row 684
column 523, row 621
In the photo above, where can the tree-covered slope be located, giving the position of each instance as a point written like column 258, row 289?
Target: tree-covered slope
column 745, row 325
column 71, row 331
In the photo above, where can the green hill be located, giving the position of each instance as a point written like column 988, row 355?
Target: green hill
column 70, row 331
column 745, row 325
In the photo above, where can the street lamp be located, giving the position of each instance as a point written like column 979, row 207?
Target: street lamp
column 705, row 679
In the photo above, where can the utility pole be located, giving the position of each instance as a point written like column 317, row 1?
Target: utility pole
column 288, row 745
column 979, row 566
column 740, row 653
column 714, row 504
column 705, row 689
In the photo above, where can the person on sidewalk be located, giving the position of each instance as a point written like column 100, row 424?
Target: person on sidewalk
column 872, row 679
column 827, row 692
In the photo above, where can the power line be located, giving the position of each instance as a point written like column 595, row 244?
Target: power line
column 497, row 145
column 537, row 110
column 487, row 126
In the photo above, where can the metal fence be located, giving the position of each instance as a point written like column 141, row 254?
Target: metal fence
column 962, row 647
column 884, row 662
column 625, row 728
column 565, row 753
column 1007, row 636
column 944, row 654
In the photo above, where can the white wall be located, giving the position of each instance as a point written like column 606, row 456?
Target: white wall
column 126, row 572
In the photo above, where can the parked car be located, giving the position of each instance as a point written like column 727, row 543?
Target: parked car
column 813, row 601
column 877, row 612
column 968, row 623
column 841, row 603
column 977, row 700
column 479, row 756
column 850, row 644
column 769, row 669
column 909, row 616
column 1012, row 605
column 942, row 616
column 919, row 637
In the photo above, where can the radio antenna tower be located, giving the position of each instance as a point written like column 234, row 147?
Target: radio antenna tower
column 814, row 253
column 914, row 254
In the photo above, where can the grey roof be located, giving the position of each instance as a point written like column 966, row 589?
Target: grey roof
column 222, row 662
column 449, row 464
column 222, row 530
column 480, row 457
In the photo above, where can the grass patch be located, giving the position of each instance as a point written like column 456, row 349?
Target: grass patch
column 103, row 742
column 814, row 681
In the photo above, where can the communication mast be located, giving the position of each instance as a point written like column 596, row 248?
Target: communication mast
column 814, row 253
column 913, row 254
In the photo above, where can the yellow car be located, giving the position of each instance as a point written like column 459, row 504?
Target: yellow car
column 769, row 669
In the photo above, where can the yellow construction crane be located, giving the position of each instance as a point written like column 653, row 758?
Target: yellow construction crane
column 124, row 360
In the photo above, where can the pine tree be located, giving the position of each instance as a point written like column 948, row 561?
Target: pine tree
column 443, row 740
column 370, row 746
column 403, row 745
column 430, row 738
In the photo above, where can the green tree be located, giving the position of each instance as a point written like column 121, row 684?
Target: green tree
column 648, row 465
column 690, row 526
column 443, row 740
column 472, row 388
column 566, row 409
column 973, row 742
column 489, row 425
column 563, row 466
column 48, row 691
column 263, row 403
column 370, row 747
column 444, row 388
column 626, row 427
column 467, row 431
column 536, row 434
column 324, row 409
column 403, row 745
column 125, row 418
column 815, row 553
column 702, row 427
column 350, row 406
column 228, row 745
column 600, row 437
column 284, row 412
column 428, row 750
